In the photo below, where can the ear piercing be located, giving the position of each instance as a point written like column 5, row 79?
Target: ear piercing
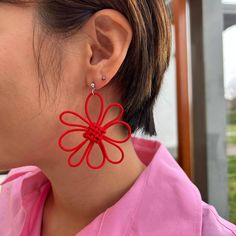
column 104, row 77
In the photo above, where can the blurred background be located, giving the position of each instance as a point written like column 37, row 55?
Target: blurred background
column 195, row 113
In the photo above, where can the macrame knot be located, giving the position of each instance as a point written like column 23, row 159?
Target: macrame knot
column 94, row 133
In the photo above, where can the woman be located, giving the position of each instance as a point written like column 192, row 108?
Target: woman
column 59, row 60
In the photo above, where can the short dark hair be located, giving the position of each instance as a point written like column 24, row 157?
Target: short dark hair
column 140, row 77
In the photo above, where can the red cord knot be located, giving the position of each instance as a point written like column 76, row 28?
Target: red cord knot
column 94, row 133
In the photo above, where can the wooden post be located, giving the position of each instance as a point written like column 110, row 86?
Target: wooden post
column 183, row 98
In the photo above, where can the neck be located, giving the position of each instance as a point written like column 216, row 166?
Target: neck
column 80, row 194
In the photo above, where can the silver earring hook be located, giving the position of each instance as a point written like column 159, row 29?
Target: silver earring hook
column 93, row 86
column 104, row 77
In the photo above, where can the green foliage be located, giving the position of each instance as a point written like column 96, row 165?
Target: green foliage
column 232, row 117
column 231, row 128
column 231, row 140
column 232, row 188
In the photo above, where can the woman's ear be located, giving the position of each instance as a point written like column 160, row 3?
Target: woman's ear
column 111, row 37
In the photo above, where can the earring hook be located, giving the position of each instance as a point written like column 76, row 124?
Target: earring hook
column 93, row 86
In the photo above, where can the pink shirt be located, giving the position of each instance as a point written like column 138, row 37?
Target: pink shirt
column 162, row 202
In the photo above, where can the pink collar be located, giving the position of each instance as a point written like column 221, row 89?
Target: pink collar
column 162, row 200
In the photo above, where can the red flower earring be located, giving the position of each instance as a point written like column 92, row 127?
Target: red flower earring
column 94, row 132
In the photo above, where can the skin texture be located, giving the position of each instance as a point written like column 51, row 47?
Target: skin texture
column 29, row 133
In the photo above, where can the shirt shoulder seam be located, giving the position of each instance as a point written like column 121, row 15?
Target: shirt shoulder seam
column 219, row 221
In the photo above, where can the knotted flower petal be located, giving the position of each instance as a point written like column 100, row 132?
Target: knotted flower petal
column 78, row 155
column 80, row 121
column 67, row 136
column 100, row 106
